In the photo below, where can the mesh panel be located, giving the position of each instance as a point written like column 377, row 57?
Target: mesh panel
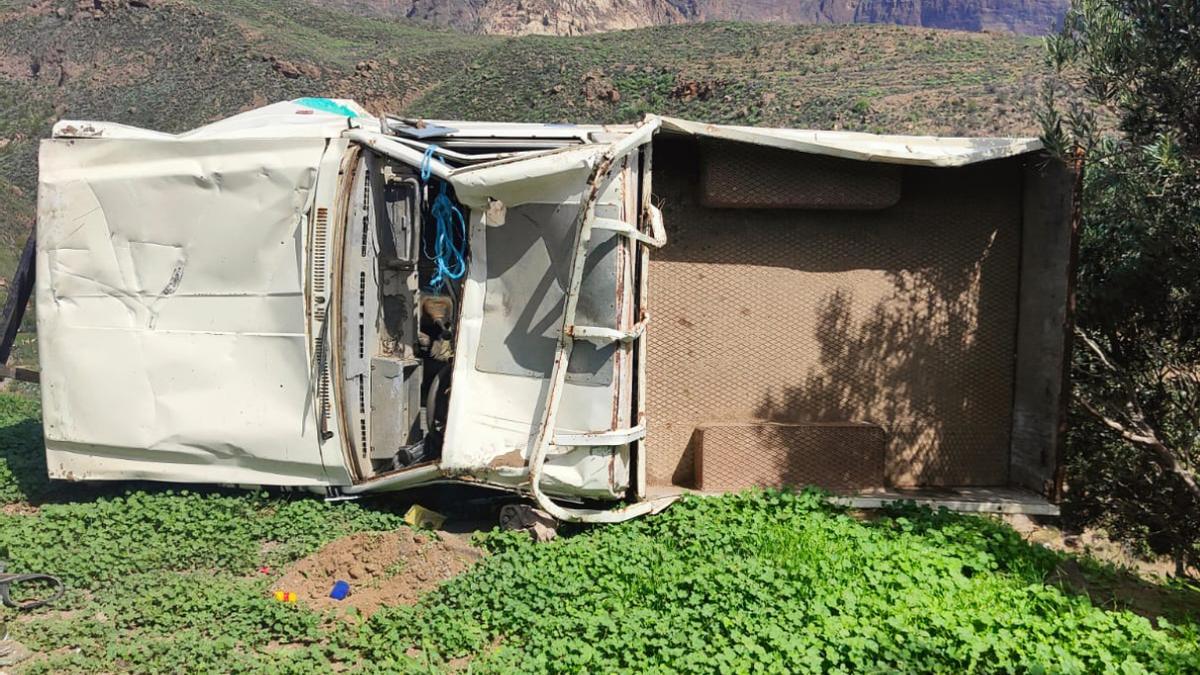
column 843, row 457
column 904, row 318
column 745, row 176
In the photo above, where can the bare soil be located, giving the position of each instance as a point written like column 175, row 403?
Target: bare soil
column 1134, row 583
column 382, row 568
column 1093, row 543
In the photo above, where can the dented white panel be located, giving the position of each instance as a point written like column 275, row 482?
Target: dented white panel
column 171, row 309
column 551, row 177
column 493, row 417
column 910, row 150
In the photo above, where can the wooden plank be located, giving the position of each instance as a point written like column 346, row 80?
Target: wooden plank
column 21, row 374
column 18, row 297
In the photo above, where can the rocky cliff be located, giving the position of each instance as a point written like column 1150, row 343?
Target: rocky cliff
column 1031, row 17
column 560, row 17
column 574, row 17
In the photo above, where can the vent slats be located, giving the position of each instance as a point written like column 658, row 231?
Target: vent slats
column 320, row 233
column 366, row 208
column 320, row 272
column 323, row 383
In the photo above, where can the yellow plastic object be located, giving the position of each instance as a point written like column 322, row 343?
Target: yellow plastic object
column 285, row 596
column 419, row 516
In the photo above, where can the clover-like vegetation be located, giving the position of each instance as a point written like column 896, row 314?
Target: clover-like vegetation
column 168, row 580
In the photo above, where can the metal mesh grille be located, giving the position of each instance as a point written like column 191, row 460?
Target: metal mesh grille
column 738, row 175
column 319, row 268
column 843, row 457
column 903, row 318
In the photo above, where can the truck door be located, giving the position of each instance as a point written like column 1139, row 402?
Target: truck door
column 545, row 386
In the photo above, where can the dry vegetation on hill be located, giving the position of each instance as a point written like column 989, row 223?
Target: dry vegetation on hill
column 176, row 64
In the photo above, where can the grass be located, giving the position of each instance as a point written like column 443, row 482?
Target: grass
column 757, row 74
column 167, row 580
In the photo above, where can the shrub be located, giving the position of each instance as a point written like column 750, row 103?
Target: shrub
column 1135, row 451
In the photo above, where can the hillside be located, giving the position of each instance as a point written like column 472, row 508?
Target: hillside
column 176, row 64
column 577, row 17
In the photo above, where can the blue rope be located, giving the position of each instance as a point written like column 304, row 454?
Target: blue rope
column 427, row 163
column 448, row 255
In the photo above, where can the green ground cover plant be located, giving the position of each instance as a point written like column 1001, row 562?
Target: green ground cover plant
column 776, row 582
column 169, row 580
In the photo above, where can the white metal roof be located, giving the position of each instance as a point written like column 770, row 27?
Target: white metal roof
column 912, row 150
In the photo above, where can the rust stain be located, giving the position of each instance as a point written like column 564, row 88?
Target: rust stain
column 511, row 459
column 85, row 131
column 463, row 475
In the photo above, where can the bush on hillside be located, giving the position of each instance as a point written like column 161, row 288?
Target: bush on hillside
column 1134, row 447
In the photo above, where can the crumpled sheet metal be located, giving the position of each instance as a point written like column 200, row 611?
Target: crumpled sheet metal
column 171, row 322
column 286, row 119
column 291, row 119
column 489, row 431
column 110, row 130
column 910, row 150
column 547, row 178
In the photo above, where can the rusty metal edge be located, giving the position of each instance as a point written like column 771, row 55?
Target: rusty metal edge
column 1058, row 487
column 544, row 435
column 333, row 307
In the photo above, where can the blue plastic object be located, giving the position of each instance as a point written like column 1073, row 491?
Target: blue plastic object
column 340, row 590
column 327, row 105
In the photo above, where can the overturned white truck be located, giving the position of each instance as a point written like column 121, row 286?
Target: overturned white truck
column 307, row 295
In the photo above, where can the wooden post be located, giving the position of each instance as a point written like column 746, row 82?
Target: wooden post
column 18, row 298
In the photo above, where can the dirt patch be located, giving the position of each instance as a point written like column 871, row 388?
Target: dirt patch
column 18, row 509
column 16, row 67
column 1091, row 543
column 1124, row 589
column 694, row 89
column 382, row 568
column 294, row 69
column 1142, row 586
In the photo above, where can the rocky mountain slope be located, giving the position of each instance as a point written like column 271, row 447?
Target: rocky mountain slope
column 575, row 17
column 176, row 64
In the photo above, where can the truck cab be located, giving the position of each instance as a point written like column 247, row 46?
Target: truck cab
column 309, row 295
column 297, row 295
